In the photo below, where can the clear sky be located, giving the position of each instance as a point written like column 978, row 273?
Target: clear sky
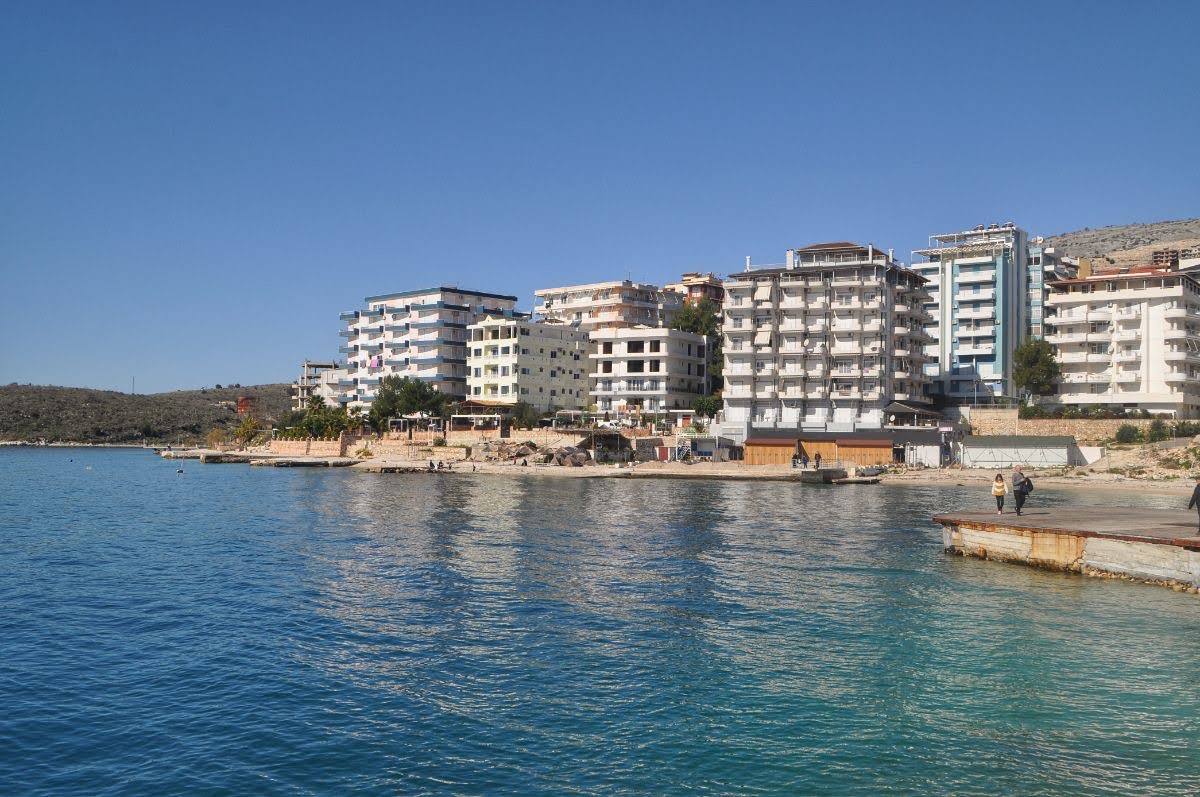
column 191, row 193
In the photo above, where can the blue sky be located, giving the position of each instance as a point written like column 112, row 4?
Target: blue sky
column 190, row 194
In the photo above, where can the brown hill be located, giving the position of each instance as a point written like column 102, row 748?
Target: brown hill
column 1128, row 244
column 81, row 415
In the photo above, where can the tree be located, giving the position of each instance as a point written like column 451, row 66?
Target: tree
column 524, row 416
column 397, row 396
column 246, row 431
column 699, row 318
column 707, row 406
column 1034, row 367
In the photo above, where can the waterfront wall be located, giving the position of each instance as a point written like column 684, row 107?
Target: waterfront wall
column 1169, row 564
column 1084, row 430
column 309, row 448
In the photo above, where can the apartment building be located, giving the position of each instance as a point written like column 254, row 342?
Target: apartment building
column 1129, row 338
column 825, row 342
column 694, row 286
column 980, row 306
column 421, row 334
column 644, row 369
column 1045, row 265
column 513, row 359
column 314, row 380
column 608, row 305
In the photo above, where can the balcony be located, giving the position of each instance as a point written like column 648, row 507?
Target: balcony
column 1072, row 337
column 1175, row 333
column 986, row 295
column 1073, row 357
column 969, row 277
column 1127, row 356
column 1126, row 377
column 1172, row 313
column 976, row 351
column 977, row 332
column 1099, row 337
column 902, row 352
column 1176, row 376
column 982, row 312
column 1063, row 320
column 1099, row 315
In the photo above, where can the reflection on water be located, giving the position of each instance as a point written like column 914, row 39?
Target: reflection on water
column 459, row 633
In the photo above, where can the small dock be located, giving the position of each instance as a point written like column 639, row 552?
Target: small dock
column 1153, row 545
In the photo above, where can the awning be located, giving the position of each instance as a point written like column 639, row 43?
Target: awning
column 762, row 337
column 762, row 291
column 896, row 407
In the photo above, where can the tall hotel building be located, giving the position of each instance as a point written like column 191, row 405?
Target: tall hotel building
column 1129, row 339
column 608, row 305
column 420, row 334
column 514, row 359
column 823, row 343
column 979, row 305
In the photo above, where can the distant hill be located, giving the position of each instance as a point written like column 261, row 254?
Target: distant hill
column 1128, row 244
column 80, row 415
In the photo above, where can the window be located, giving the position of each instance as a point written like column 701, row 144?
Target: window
column 505, row 349
column 655, row 346
column 606, row 367
column 654, row 365
column 635, row 384
column 635, row 346
column 635, row 366
column 606, row 347
column 478, row 372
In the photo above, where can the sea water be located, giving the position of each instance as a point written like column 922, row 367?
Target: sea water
column 241, row 630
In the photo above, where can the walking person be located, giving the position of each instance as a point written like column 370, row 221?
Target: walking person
column 999, row 490
column 817, row 460
column 1021, row 487
column 1196, row 501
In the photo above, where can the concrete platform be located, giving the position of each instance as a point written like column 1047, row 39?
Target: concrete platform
column 1157, row 546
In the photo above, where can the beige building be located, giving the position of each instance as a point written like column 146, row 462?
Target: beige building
column 646, row 369
column 695, row 286
column 825, row 342
column 516, row 359
column 608, row 305
column 1130, row 339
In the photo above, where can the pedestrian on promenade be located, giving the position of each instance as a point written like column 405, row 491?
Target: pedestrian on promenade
column 817, row 460
column 999, row 490
column 1020, row 488
column 804, row 461
column 1196, row 501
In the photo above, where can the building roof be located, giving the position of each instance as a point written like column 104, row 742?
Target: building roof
column 909, row 409
column 834, row 245
column 864, row 442
column 1018, row 441
column 770, row 441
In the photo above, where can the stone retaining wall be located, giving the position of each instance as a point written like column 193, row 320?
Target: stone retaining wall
column 1084, row 430
column 309, row 448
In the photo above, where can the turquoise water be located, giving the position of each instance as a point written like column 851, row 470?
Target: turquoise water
column 238, row 630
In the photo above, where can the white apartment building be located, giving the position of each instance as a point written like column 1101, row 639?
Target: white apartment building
column 608, row 305
column 1046, row 265
column 646, row 369
column 514, row 359
column 316, row 378
column 825, row 342
column 420, row 334
column 979, row 306
column 1129, row 339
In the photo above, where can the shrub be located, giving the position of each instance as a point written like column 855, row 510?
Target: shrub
column 439, row 441
column 1071, row 412
column 1158, row 431
column 1187, row 429
column 1128, row 433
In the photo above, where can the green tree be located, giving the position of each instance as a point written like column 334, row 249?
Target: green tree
column 1034, row 367
column 245, row 431
column 706, row 406
column 524, row 416
column 1157, row 431
column 1128, row 433
column 398, row 396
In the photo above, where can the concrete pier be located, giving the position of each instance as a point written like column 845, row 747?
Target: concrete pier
column 1153, row 545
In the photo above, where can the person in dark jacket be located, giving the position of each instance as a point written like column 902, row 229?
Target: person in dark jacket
column 1196, row 502
column 1020, row 489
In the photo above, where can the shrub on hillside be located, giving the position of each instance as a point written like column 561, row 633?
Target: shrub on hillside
column 1128, row 433
column 1158, row 431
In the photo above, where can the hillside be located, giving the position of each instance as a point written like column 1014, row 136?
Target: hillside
column 80, row 415
column 1129, row 244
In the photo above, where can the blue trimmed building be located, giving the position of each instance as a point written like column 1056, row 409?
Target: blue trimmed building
column 420, row 334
